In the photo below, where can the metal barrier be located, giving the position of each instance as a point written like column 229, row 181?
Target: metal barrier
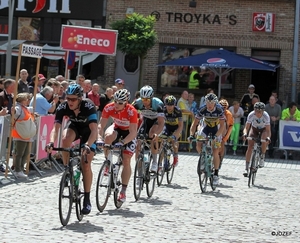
column 187, row 122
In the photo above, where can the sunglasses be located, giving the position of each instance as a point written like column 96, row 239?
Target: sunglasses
column 71, row 99
column 119, row 102
column 145, row 99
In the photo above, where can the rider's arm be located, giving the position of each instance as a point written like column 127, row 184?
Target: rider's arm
column 93, row 136
column 54, row 132
column 194, row 125
column 246, row 129
column 178, row 131
column 132, row 133
column 221, row 128
column 101, row 126
column 161, row 123
column 268, row 131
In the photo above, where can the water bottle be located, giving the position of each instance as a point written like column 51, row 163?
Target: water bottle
column 146, row 159
column 76, row 176
column 208, row 164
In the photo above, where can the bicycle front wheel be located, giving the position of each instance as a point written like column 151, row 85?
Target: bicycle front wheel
column 161, row 168
column 253, row 169
column 150, row 180
column 79, row 192
column 103, row 187
column 170, row 171
column 138, row 179
column 202, row 174
column 118, row 187
column 65, row 197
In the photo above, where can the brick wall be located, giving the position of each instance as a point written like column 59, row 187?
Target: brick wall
column 219, row 32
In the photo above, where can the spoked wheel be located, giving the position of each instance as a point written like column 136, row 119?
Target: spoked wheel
column 252, row 172
column 161, row 168
column 170, row 171
column 79, row 192
column 103, row 187
column 118, row 188
column 150, row 180
column 211, row 179
column 65, row 197
column 202, row 174
column 138, row 180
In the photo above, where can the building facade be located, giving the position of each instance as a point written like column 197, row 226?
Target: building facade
column 262, row 29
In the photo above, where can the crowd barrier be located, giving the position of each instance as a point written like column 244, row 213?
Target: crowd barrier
column 289, row 135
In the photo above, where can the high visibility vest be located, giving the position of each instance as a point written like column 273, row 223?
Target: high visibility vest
column 193, row 83
column 27, row 113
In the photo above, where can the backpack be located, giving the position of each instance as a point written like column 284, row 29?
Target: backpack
column 25, row 128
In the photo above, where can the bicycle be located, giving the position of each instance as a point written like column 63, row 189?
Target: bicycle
column 205, row 167
column 109, row 177
column 71, row 185
column 255, row 158
column 142, row 173
column 164, row 159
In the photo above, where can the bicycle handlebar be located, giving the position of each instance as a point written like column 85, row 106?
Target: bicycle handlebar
column 69, row 150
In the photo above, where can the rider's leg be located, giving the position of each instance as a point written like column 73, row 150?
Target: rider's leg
column 69, row 135
column 109, row 137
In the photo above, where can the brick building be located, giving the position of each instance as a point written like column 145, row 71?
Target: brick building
column 211, row 25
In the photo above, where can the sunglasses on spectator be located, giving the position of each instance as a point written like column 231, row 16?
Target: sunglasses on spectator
column 119, row 102
column 145, row 99
column 71, row 99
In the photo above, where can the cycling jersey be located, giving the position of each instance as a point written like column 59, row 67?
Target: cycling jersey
column 211, row 118
column 258, row 123
column 155, row 111
column 123, row 118
column 173, row 118
column 87, row 114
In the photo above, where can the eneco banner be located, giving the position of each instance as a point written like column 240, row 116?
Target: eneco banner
column 289, row 135
column 82, row 39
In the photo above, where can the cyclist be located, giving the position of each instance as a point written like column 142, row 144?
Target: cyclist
column 213, row 123
column 125, row 127
column 173, row 123
column 83, row 122
column 228, row 127
column 259, row 120
column 151, row 109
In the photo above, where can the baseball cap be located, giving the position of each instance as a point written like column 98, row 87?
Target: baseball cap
column 119, row 81
column 251, row 86
column 41, row 76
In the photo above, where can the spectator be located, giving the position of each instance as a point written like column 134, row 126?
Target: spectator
column 164, row 95
column 202, row 100
column 120, row 83
column 41, row 81
column 21, row 145
column 237, row 112
column 290, row 114
column 105, row 98
column 194, row 79
column 22, row 83
column 114, row 88
column 65, row 85
column 274, row 111
column 94, row 96
column 246, row 100
column 87, row 86
column 1, row 84
column 60, row 78
column 136, row 96
column 6, row 96
column 183, row 105
column 253, row 101
column 278, row 101
column 192, row 103
column 80, row 80
column 42, row 105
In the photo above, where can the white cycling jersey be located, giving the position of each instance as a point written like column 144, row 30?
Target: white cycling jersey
column 256, row 122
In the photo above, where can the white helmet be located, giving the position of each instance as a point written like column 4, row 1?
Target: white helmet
column 146, row 92
column 122, row 95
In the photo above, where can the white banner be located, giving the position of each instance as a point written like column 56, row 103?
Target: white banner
column 289, row 135
column 4, row 132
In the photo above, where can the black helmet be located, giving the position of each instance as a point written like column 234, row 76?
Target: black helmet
column 170, row 100
column 259, row 106
column 75, row 89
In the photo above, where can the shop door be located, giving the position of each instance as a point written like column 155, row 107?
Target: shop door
column 127, row 68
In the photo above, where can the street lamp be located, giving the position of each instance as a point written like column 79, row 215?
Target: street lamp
column 11, row 6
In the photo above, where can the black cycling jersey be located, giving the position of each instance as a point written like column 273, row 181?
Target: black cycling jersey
column 173, row 118
column 87, row 114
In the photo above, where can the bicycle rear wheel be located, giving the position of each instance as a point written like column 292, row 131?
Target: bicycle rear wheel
column 161, row 166
column 79, row 192
column 253, row 170
column 65, row 197
column 211, row 179
column 170, row 171
column 103, row 187
column 138, row 179
column 118, row 188
column 150, row 180
column 202, row 174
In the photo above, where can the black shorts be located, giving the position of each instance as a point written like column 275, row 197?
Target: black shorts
column 83, row 132
column 130, row 147
column 169, row 130
column 146, row 126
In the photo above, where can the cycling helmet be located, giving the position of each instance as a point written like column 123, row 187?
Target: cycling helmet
column 147, row 92
column 211, row 98
column 122, row 95
column 74, row 89
column 259, row 106
column 170, row 100
column 224, row 103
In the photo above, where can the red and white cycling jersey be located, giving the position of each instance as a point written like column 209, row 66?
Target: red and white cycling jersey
column 123, row 118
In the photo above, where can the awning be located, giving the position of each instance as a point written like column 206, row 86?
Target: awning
column 13, row 43
column 87, row 58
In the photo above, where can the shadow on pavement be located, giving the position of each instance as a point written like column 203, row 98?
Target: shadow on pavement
column 265, row 188
column 217, row 194
column 81, row 227
column 174, row 186
column 229, row 178
column 154, row 201
column 124, row 212
column 224, row 186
